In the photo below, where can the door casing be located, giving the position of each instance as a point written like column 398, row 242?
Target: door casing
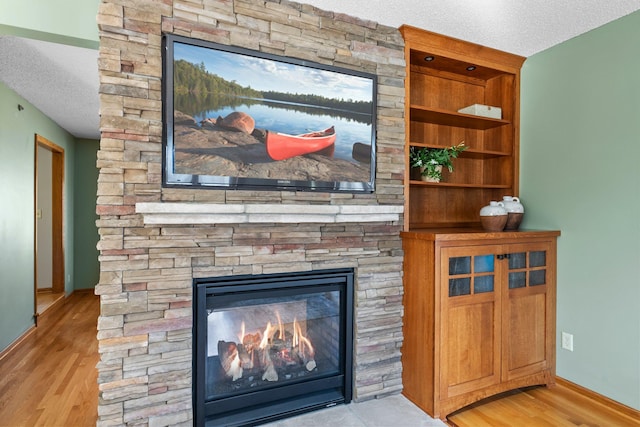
column 57, row 180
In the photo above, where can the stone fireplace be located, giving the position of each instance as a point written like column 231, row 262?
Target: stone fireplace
column 271, row 346
column 155, row 241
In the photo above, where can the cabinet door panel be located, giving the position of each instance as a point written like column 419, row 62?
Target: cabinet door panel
column 472, row 349
column 527, row 328
column 528, row 306
column 470, row 327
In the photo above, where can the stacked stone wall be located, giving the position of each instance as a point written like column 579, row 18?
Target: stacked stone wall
column 147, row 268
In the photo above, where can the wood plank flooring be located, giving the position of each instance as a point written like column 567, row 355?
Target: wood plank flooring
column 47, row 298
column 559, row 406
column 50, row 379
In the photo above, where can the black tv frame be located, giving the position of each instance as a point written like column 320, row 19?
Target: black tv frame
column 194, row 180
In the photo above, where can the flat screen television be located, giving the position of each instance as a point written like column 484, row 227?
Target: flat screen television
column 235, row 118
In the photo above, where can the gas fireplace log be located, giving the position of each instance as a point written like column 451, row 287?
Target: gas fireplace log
column 245, row 358
column 270, row 373
column 251, row 341
column 310, row 365
column 279, row 345
column 282, row 340
column 250, row 345
column 230, row 360
column 305, row 358
column 304, row 350
column 281, row 354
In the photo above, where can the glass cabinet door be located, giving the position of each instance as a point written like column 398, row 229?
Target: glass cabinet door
column 470, row 324
column 471, row 274
column 528, row 309
column 497, row 308
column 527, row 268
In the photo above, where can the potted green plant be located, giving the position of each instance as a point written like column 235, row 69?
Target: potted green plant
column 430, row 161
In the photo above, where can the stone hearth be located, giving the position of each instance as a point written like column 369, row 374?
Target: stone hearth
column 154, row 241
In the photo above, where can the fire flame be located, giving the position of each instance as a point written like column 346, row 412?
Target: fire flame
column 267, row 352
column 281, row 329
column 300, row 340
column 242, row 333
column 266, row 336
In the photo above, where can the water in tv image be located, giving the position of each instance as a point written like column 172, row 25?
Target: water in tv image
column 238, row 115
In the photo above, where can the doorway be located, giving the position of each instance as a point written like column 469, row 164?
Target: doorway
column 48, row 245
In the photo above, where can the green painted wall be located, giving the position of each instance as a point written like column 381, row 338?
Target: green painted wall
column 17, row 170
column 71, row 22
column 86, row 267
column 580, row 141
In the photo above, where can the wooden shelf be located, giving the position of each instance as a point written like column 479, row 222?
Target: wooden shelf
column 450, row 185
column 453, row 118
column 444, row 75
column 471, row 153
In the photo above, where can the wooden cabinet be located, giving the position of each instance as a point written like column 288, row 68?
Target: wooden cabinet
column 479, row 307
column 479, row 315
column 445, row 75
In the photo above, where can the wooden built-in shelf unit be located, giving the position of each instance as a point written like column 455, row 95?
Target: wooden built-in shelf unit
column 479, row 306
column 445, row 75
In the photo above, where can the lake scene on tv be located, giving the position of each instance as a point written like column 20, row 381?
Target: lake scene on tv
column 237, row 115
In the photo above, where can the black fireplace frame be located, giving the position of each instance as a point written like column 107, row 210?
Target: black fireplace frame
column 254, row 408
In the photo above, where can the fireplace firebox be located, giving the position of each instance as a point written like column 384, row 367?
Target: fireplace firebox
column 271, row 346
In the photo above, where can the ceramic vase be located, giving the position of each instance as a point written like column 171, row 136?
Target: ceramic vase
column 515, row 212
column 493, row 217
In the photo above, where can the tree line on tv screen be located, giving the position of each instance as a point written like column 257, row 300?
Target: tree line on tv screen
column 194, row 81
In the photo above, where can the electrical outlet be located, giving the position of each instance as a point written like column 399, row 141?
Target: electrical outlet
column 567, row 341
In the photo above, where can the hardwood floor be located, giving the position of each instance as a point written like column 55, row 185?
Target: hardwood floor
column 559, row 406
column 48, row 299
column 50, row 379
column 48, row 305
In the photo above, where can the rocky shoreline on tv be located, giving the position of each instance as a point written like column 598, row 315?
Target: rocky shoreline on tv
column 233, row 146
column 244, row 119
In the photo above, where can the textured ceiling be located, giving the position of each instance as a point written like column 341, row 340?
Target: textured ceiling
column 62, row 81
column 59, row 80
column 520, row 27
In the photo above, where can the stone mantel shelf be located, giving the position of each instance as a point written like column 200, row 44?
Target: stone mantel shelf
column 216, row 213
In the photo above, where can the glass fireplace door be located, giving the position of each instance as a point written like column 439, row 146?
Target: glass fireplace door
column 271, row 345
column 272, row 338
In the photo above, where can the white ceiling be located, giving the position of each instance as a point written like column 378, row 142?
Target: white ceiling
column 523, row 27
column 59, row 80
column 62, row 81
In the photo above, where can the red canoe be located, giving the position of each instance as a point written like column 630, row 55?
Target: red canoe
column 281, row 146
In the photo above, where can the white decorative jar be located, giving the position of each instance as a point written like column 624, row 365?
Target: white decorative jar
column 493, row 217
column 515, row 212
